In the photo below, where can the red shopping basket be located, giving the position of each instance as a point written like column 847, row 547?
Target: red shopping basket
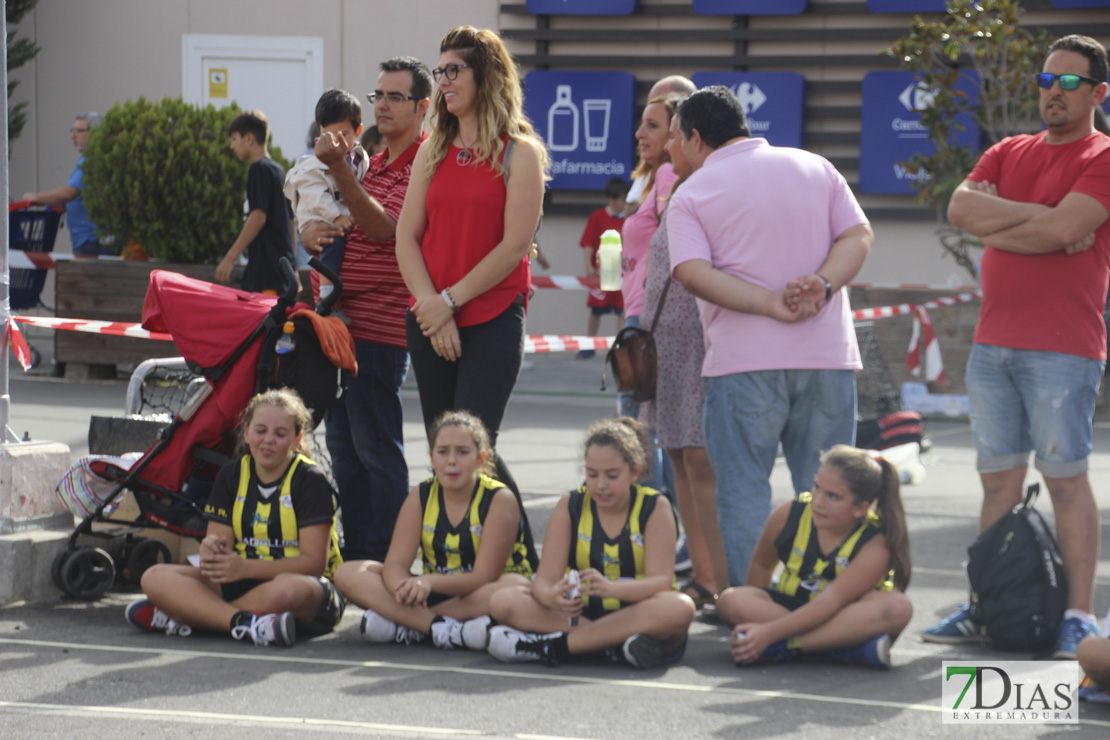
column 31, row 228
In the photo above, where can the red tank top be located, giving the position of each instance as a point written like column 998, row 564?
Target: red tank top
column 466, row 220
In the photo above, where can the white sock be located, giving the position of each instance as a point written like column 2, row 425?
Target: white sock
column 325, row 291
column 1080, row 614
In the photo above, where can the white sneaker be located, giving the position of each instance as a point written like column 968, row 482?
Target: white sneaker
column 514, row 646
column 475, row 632
column 377, row 629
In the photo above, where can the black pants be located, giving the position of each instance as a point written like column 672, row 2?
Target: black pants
column 479, row 381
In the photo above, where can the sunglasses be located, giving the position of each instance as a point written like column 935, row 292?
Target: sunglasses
column 1067, row 82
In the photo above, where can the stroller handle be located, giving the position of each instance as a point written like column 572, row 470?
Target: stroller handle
column 324, row 306
column 289, row 280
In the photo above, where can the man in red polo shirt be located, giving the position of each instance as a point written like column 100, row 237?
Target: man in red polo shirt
column 364, row 430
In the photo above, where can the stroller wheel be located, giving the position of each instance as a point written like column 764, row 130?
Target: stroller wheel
column 147, row 552
column 88, row 573
column 56, row 570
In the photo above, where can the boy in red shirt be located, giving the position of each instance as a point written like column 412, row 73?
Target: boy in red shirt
column 611, row 216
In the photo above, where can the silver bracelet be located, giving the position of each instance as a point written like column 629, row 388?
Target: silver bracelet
column 449, row 301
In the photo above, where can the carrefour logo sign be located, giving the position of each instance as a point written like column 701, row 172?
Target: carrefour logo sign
column 891, row 131
column 773, row 102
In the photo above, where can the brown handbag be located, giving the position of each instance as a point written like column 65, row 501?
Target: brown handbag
column 633, row 357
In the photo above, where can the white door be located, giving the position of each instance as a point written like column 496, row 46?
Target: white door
column 281, row 75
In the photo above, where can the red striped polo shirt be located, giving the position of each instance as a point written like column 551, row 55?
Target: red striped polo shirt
column 374, row 294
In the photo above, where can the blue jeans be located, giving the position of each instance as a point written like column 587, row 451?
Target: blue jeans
column 661, row 475
column 1024, row 400
column 366, row 444
column 747, row 415
column 332, row 256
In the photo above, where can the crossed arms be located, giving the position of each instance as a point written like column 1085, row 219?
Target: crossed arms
column 1025, row 228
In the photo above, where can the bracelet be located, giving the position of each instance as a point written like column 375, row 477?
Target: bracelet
column 451, row 302
column 828, row 286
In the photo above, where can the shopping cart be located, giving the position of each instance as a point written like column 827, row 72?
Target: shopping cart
column 31, row 228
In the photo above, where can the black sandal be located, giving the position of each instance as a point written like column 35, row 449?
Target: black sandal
column 699, row 593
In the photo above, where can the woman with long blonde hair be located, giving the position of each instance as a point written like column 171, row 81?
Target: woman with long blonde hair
column 466, row 230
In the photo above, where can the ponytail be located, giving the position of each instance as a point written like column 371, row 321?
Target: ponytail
column 892, row 523
column 874, row 479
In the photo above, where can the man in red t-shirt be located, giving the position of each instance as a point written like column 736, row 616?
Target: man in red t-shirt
column 364, row 432
column 610, row 216
column 1040, row 204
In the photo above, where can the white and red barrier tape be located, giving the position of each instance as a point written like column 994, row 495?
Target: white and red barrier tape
column 20, row 260
column 534, row 343
column 905, row 309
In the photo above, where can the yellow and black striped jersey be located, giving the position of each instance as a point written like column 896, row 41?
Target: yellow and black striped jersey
column 266, row 520
column 450, row 549
column 806, row 569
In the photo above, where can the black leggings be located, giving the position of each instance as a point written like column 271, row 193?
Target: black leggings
column 479, row 381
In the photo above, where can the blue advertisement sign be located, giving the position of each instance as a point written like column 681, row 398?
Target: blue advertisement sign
column 585, row 118
column 891, row 130
column 1081, row 3
column 749, row 7
column 773, row 102
column 907, row 6
column 581, row 7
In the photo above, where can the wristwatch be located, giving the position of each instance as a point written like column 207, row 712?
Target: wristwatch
column 828, row 286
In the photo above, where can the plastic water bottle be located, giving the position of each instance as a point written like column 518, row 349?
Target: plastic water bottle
column 609, row 260
column 286, row 343
column 573, row 592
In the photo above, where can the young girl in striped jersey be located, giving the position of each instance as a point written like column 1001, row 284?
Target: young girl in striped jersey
column 846, row 561
column 618, row 538
column 468, row 530
column 270, row 546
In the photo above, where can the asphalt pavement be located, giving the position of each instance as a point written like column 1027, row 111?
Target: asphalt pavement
column 76, row 669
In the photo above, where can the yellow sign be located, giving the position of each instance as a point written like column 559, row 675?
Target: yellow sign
column 217, row 83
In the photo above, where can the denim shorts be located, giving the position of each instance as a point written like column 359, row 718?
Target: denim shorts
column 1027, row 400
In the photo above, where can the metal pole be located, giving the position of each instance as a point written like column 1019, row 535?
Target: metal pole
column 5, row 274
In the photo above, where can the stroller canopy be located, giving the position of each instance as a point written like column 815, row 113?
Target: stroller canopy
column 208, row 322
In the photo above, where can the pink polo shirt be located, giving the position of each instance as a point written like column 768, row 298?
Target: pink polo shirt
column 766, row 214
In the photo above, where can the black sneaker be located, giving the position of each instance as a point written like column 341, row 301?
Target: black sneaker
column 643, row 652
column 269, row 629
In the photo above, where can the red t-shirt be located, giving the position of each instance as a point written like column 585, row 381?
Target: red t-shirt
column 374, row 294
column 466, row 220
column 598, row 223
column 1049, row 302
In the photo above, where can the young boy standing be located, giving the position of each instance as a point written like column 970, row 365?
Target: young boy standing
column 267, row 235
column 311, row 188
column 609, row 216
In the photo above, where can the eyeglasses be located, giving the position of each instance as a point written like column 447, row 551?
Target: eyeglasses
column 1067, row 82
column 394, row 98
column 450, row 71
column 78, row 130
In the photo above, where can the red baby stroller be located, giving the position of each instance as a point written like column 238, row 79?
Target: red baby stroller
column 228, row 337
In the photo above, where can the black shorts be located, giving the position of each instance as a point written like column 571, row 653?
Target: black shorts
column 786, row 600
column 435, row 599
column 327, row 616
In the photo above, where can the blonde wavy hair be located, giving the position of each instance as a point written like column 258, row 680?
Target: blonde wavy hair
column 670, row 101
column 500, row 101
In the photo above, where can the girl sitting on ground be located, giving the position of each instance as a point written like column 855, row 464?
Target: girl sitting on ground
column 469, row 531
column 270, row 547
column 846, row 556
column 618, row 538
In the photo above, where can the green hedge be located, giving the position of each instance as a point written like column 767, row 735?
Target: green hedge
column 162, row 175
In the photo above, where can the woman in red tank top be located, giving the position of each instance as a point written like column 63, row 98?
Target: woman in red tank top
column 465, row 233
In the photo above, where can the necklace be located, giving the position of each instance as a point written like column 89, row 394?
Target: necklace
column 466, row 156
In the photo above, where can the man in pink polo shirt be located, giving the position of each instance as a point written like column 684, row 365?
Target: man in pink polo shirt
column 766, row 238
